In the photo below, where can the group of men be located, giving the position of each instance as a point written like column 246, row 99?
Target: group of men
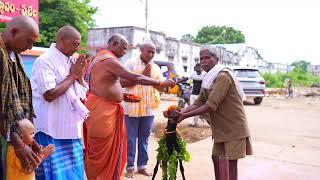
column 53, row 101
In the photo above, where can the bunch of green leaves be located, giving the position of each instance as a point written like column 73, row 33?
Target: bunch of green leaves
column 169, row 163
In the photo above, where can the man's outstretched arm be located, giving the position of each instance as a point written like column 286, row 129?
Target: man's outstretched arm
column 117, row 69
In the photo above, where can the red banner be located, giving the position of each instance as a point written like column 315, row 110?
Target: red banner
column 12, row 8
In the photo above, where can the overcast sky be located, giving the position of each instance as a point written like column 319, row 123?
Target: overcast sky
column 282, row 30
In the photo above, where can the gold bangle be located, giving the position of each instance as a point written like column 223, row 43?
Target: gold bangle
column 18, row 150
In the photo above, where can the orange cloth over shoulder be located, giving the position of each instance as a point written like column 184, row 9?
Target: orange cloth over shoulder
column 104, row 134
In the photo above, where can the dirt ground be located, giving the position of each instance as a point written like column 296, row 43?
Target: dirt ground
column 286, row 141
column 189, row 134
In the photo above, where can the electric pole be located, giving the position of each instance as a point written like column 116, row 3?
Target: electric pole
column 147, row 36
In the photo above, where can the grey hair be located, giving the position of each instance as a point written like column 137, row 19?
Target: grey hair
column 213, row 51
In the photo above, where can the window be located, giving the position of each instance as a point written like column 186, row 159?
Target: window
column 170, row 59
column 196, row 60
column 185, row 60
column 185, row 68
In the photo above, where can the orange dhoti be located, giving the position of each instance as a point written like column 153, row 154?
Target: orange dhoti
column 105, row 139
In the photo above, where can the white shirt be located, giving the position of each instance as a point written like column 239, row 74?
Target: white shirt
column 197, row 80
column 195, row 76
column 59, row 119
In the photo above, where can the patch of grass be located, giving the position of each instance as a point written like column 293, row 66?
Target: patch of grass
column 299, row 78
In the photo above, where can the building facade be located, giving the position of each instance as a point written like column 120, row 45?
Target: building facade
column 183, row 54
column 278, row 67
column 314, row 69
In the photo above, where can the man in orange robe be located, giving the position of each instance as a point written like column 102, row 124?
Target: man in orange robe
column 106, row 135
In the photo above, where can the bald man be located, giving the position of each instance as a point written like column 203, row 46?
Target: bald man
column 16, row 99
column 58, row 87
column 106, row 135
column 139, row 116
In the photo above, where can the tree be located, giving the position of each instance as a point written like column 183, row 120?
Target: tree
column 56, row 13
column 188, row 38
column 219, row 35
column 301, row 64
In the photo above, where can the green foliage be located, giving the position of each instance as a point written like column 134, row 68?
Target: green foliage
column 2, row 26
column 298, row 76
column 301, row 64
column 56, row 13
column 219, row 35
column 188, row 38
column 274, row 80
column 168, row 162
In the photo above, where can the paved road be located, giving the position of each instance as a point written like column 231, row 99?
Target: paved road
column 286, row 142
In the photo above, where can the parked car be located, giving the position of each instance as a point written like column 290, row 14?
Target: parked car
column 251, row 82
column 184, row 95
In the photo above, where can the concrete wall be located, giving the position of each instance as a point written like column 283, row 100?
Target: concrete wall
column 98, row 38
column 314, row 69
column 171, row 49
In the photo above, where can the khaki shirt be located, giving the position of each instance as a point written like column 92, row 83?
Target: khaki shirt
column 227, row 118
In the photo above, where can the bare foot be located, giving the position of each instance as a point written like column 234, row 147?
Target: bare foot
column 47, row 151
column 129, row 173
column 144, row 172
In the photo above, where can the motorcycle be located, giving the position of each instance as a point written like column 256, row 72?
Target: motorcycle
column 185, row 90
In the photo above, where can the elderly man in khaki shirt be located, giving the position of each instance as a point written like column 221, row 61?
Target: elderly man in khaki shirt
column 222, row 98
